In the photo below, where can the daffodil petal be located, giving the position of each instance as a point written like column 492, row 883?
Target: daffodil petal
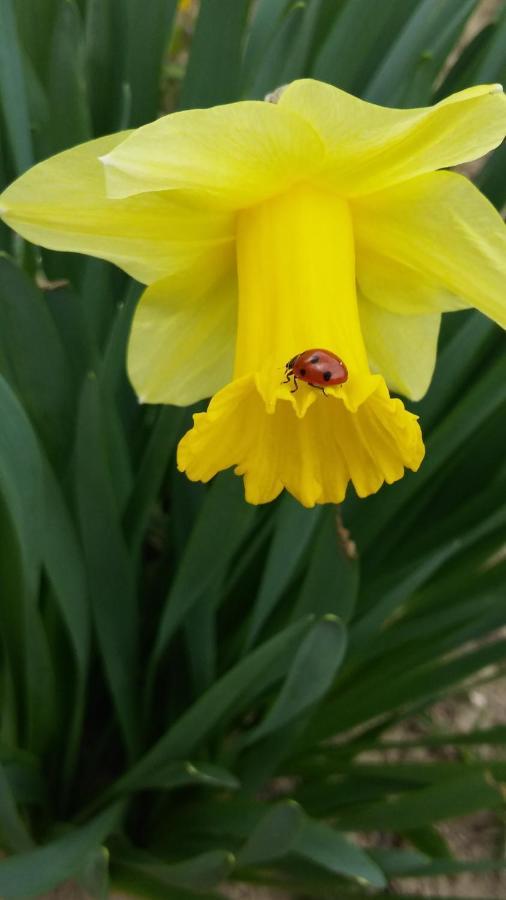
column 61, row 204
column 182, row 339
column 402, row 348
column 231, row 156
column 440, row 225
column 313, row 457
column 399, row 288
column 370, row 147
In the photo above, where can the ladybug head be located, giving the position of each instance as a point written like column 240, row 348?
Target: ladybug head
column 291, row 362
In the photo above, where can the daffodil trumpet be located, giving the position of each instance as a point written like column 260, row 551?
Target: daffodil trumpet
column 296, row 286
column 263, row 230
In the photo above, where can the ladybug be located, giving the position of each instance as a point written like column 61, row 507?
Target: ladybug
column 317, row 368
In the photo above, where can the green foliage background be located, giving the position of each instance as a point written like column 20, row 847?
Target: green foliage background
column 173, row 660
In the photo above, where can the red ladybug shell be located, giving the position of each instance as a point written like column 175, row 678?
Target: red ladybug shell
column 320, row 368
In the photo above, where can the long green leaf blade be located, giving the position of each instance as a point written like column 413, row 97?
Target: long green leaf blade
column 213, row 71
column 13, row 90
column 310, row 677
column 30, row 874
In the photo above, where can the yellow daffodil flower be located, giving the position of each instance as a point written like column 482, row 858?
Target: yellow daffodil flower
column 266, row 229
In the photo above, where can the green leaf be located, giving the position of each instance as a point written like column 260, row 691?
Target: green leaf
column 104, row 62
column 385, row 691
column 229, row 821
column 461, row 73
column 67, row 95
column 148, row 31
column 110, row 575
column 33, row 359
column 32, row 873
column 13, row 832
column 24, row 777
column 408, row 70
column 13, row 90
column 131, row 882
column 398, row 863
column 70, row 317
column 457, row 364
column 483, row 398
column 112, row 372
column 460, row 520
column 94, row 875
column 200, row 872
column 403, row 864
column 325, row 847
column 21, row 482
column 21, row 526
column 395, row 589
column 213, row 71
column 274, row 836
column 200, row 629
column 338, row 61
column 267, row 16
column 264, row 759
column 270, row 72
column 331, row 580
column 207, row 553
column 406, row 581
column 157, row 452
column 99, row 286
column 35, row 31
column 492, row 63
column 491, row 180
column 317, row 14
column 118, row 450
column 309, row 678
column 294, row 527
column 64, row 564
column 216, row 704
column 182, row 774
column 415, row 774
column 445, row 800
column 428, row 839
column 38, row 110
column 422, row 638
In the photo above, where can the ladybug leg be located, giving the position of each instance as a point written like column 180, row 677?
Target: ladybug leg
column 319, row 388
column 296, row 388
column 287, row 379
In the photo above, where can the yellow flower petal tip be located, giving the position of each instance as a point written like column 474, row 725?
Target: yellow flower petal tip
column 313, row 456
column 370, row 148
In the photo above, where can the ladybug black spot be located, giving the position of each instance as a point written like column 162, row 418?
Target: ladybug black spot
column 302, row 372
column 327, row 376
